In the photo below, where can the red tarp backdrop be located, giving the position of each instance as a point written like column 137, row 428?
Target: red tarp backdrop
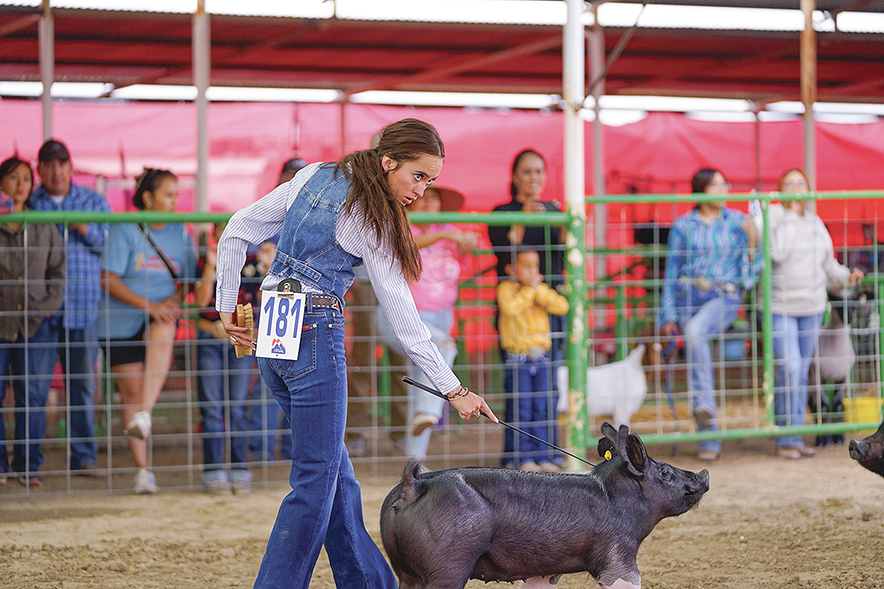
column 249, row 141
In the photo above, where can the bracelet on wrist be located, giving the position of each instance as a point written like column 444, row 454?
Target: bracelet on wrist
column 461, row 392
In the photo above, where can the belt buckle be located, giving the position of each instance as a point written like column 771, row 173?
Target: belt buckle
column 703, row 283
column 536, row 353
column 288, row 288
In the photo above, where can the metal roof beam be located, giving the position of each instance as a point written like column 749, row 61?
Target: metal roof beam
column 457, row 67
column 18, row 24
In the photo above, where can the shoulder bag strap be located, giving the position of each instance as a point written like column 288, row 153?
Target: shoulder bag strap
column 159, row 252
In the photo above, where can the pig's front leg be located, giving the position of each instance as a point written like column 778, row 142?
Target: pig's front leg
column 546, row 582
column 621, row 584
column 620, row 578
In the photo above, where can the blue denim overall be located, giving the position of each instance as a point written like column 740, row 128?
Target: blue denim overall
column 325, row 504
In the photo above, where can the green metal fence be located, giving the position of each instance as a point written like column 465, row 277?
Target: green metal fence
column 613, row 290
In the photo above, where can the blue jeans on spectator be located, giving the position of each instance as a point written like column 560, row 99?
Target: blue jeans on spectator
column 439, row 323
column 31, row 390
column 529, row 405
column 222, row 386
column 794, row 341
column 78, row 353
column 325, row 504
column 266, row 420
column 703, row 315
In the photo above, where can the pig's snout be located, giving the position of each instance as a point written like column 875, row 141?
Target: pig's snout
column 859, row 449
column 699, row 485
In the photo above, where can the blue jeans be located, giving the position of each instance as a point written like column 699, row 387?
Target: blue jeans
column 704, row 314
column 325, row 504
column 439, row 323
column 529, row 405
column 31, row 389
column 266, row 420
column 78, row 354
column 222, row 386
column 794, row 341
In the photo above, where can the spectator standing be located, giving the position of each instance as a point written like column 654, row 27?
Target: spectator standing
column 361, row 370
column 266, row 418
column 223, row 379
column 32, row 269
column 710, row 262
column 525, row 304
column 78, row 336
column 527, row 180
column 526, row 186
column 803, row 264
column 334, row 217
column 441, row 245
column 141, row 269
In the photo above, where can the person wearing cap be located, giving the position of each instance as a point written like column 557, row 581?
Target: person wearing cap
column 265, row 416
column 442, row 246
column 290, row 168
column 82, row 291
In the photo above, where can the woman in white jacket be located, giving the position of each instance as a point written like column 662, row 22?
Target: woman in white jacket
column 803, row 267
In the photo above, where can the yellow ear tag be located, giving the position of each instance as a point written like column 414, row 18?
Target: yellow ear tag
column 608, row 455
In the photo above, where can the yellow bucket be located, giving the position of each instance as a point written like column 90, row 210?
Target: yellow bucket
column 862, row 409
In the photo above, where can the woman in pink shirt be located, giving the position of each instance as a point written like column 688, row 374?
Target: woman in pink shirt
column 441, row 245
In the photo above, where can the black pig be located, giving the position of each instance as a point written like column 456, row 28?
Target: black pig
column 441, row 529
column 869, row 452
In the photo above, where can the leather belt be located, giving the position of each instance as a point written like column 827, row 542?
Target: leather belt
column 321, row 301
column 706, row 284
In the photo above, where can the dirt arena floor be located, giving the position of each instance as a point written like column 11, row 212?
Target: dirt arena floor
column 765, row 523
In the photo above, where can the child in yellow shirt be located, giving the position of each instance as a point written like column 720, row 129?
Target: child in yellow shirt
column 525, row 303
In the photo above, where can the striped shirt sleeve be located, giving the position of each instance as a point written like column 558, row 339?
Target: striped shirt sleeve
column 264, row 218
column 395, row 299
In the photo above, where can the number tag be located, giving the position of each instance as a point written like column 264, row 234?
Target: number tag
column 279, row 327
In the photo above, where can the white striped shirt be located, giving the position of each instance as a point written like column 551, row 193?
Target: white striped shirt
column 264, row 218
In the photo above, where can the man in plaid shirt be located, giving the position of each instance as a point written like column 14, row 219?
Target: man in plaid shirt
column 79, row 337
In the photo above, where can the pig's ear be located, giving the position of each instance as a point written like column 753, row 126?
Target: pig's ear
column 605, row 446
column 636, row 455
column 608, row 431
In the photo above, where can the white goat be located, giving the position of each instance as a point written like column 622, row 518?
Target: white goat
column 616, row 389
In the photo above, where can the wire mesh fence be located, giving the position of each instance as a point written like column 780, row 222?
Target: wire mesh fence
column 626, row 272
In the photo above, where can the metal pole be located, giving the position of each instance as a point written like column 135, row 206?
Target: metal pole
column 46, row 34
column 757, row 121
column 343, row 125
column 808, row 89
column 201, row 69
column 597, row 66
column 575, row 240
column 597, row 69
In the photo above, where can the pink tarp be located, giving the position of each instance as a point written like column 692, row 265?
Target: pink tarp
column 249, row 141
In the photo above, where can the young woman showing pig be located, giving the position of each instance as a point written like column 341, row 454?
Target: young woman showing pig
column 334, row 217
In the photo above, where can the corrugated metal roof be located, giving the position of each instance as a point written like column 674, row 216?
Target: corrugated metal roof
column 126, row 48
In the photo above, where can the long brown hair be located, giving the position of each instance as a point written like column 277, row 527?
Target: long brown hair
column 403, row 141
column 149, row 181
